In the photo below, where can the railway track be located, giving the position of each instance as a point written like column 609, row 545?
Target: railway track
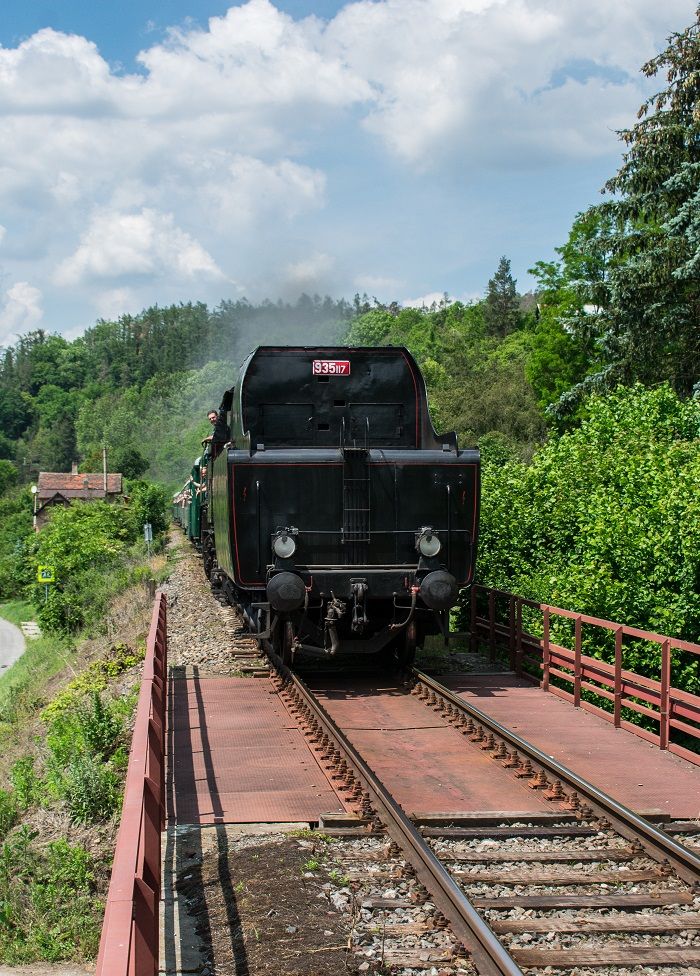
column 591, row 886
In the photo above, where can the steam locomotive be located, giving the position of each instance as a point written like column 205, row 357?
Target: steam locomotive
column 330, row 512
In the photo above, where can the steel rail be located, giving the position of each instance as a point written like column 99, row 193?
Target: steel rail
column 490, row 955
column 659, row 845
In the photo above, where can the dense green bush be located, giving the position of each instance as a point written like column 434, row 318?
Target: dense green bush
column 606, row 519
column 90, row 727
column 86, row 756
column 101, row 728
column 90, row 789
column 84, row 543
column 147, row 503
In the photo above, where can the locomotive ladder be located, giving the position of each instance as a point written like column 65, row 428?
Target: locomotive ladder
column 356, row 504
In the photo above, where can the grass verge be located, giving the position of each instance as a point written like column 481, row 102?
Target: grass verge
column 17, row 610
column 22, row 684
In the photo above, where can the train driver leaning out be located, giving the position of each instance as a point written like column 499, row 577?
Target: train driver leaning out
column 212, row 417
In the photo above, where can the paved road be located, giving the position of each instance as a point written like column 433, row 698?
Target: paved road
column 11, row 644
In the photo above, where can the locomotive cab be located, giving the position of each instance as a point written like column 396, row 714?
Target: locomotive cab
column 343, row 522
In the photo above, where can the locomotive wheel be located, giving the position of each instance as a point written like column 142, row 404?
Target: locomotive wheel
column 406, row 650
column 282, row 642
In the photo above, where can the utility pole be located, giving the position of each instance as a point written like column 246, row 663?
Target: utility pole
column 104, row 468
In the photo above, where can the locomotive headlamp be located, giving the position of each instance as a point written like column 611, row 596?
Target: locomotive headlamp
column 428, row 543
column 284, row 545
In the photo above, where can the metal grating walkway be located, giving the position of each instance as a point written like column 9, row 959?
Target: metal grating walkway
column 235, row 756
column 635, row 772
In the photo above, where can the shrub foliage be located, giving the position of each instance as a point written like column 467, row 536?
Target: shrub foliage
column 606, row 518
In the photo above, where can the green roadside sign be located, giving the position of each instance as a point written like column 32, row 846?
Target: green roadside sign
column 46, row 574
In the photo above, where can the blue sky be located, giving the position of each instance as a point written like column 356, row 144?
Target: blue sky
column 154, row 152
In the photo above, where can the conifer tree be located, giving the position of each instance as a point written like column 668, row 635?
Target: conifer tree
column 502, row 308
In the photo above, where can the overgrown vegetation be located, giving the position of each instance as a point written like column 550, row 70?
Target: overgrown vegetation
column 50, row 890
column 88, row 544
column 47, row 896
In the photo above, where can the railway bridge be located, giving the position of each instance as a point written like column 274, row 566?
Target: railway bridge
column 542, row 813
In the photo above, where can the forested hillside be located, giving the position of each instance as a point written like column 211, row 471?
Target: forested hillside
column 140, row 385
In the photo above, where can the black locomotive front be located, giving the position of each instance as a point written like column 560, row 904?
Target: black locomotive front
column 342, row 522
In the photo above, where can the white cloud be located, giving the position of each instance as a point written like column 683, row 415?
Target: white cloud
column 478, row 77
column 252, row 58
column 377, row 284
column 426, row 301
column 243, row 98
column 113, row 302
column 239, row 190
column 147, row 243
column 310, row 273
column 20, row 312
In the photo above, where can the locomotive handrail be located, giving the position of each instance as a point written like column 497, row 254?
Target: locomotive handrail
column 625, row 689
column 129, row 942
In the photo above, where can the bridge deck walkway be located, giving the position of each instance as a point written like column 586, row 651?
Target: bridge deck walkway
column 635, row 772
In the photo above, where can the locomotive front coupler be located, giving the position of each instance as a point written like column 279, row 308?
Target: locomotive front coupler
column 335, row 610
column 359, row 609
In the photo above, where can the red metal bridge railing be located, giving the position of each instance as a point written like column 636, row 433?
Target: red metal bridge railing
column 129, row 943
column 667, row 707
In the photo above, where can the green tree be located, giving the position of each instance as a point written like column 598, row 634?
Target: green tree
column 129, row 461
column 502, row 307
column 8, row 476
column 15, row 533
column 370, row 329
column 564, row 340
column 649, row 304
column 147, row 503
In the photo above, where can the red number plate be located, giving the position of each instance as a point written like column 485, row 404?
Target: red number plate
column 331, row 367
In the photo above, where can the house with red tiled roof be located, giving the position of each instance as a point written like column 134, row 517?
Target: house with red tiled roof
column 62, row 487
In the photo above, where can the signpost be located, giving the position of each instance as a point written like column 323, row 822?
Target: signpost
column 148, row 536
column 46, row 575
